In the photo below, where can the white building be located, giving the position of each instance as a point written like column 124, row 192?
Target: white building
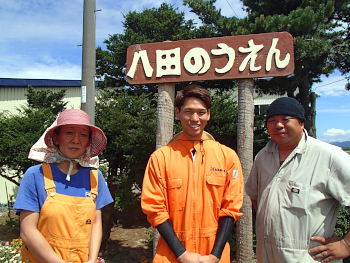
column 12, row 96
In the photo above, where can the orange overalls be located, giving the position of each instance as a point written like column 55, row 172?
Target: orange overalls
column 192, row 193
column 66, row 221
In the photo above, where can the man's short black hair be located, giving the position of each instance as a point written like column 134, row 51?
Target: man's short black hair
column 193, row 90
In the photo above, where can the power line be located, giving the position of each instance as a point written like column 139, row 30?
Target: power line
column 232, row 8
column 331, row 83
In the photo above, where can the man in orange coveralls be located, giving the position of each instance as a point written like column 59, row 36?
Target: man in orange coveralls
column 193, row 188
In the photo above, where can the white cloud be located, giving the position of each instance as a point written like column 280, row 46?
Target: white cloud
column 335, row 135
column 45, row 68
column 40, row 20
column 332, row 86
column 341, row 109
column 42, row 71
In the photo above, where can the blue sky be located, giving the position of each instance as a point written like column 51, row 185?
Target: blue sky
column 40, row 38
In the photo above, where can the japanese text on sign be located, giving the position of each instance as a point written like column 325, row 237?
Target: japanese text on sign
column 257, row 56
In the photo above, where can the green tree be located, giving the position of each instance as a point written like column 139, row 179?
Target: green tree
column 343, row 222
column 223, row 119
column 165, row 23
column 129, row 122
column 18, row 132
column 46, row 99
column 321, row 40
column 150, row 25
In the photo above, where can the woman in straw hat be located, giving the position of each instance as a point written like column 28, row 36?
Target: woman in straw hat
column 60, row 200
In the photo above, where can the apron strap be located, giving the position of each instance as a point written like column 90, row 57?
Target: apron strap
column 49, row 183
column 94, row 183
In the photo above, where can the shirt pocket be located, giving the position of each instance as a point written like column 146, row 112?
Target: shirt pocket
column 66, row 221
column 175, row 194
column 215, row 188
column 296, row 196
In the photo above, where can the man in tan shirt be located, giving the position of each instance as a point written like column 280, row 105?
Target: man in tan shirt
column 296, row 186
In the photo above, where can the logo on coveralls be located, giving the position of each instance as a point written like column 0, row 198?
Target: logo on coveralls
column 88, row 222
column 295, row 190
column 213, row 169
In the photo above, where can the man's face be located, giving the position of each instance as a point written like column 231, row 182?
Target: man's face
column 284, row 130
column 193, row 116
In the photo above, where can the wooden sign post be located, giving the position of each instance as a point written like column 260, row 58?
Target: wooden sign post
column 233, row 57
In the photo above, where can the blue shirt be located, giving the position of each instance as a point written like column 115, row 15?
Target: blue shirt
column 32, row 195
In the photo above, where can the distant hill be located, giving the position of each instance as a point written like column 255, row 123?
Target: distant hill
column 341, row 144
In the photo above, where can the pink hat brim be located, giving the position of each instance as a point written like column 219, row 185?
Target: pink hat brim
column 98, row 138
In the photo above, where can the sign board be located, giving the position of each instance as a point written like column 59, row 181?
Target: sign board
column 232, row 57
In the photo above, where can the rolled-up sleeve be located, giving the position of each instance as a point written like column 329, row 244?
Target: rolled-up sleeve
column 153, row 196
column 233, row 196
column 338, row 183
column 251, row 186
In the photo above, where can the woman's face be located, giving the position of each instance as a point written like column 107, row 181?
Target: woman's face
column 72, row 140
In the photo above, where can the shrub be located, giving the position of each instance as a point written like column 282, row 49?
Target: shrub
column 11, row 251
column 343, row 222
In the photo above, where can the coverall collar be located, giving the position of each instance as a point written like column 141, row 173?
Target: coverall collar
column 193, row 145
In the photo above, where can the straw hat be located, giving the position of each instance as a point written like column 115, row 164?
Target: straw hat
column 79, row 117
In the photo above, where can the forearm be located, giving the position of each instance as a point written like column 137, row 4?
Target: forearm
column 96, row 237
column 225, row 227
column 346, row 239
column 34, row 240
column 166, row 231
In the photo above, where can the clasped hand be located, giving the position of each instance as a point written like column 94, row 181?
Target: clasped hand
column 188, row 257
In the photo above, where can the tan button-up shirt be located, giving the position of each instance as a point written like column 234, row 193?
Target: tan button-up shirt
column 298, row 199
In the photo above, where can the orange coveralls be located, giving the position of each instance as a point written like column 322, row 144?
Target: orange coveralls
column 66, row 221
column 192, row 194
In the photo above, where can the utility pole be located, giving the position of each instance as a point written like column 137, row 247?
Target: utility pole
column 89, row 59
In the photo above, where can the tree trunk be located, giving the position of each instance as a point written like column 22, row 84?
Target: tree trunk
column 107, row 212
column 165, row 114
column 165, row 126
column 107, row 224
column 304, row 98
column 312, row 131
column 245, row 133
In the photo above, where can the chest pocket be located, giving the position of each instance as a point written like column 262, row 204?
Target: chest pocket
column 175, row 194
column 296, row 196
column 215, row 187
column 67, row 220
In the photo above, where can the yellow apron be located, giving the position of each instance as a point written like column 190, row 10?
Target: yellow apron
column 66, row 221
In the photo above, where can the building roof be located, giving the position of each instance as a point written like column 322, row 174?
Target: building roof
column 8, row 82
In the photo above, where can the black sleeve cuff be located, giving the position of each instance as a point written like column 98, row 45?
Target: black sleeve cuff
column 166, row 231
column 225, row 227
